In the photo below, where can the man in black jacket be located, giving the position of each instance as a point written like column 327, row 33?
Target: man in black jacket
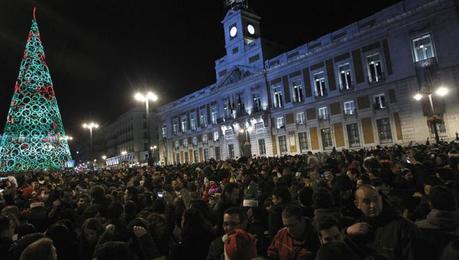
column 381, row 231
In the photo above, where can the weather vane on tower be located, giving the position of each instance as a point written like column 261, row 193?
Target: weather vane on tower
column 230, row 4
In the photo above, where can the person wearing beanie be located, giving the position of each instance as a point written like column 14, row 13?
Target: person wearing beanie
column 442, row 223
column 240, row 245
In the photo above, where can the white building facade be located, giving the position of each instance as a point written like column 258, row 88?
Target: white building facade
column 351, row 88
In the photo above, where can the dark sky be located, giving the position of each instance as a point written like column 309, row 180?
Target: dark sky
column 101, row 51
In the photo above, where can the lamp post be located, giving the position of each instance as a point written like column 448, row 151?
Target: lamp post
column 147, row 97
column 441, row 92
column 90, row 126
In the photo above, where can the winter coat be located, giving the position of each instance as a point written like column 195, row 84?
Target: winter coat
column 285, row 247
column 390, row 236
column 216, row 249
column 437, row 230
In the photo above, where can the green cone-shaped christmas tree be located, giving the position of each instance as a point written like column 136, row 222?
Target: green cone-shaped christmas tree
column 34, row 137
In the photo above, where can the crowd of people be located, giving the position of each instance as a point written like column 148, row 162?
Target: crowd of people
column 395, row 202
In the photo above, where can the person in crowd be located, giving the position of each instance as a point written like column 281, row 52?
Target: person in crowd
column 297, row 240
column 195, row 237
column 442, row 223
column 233, row 218
column 336, row 250
column 381, row 230
column 42, row 249
column 229, row 198
column 6, row 237
column 114, row 250
column 145, row 212
column 91, row 230
column 280, row 199
column 240, row 245
column 451, row 251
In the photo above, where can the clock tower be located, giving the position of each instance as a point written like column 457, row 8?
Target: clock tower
column 241, row 28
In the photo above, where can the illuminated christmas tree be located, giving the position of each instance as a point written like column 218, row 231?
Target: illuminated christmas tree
column 34, row 137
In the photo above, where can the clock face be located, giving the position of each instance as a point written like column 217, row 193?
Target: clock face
column 251, row 29
column 233, row 31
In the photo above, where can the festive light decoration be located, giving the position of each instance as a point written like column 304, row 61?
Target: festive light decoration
column 34, row 136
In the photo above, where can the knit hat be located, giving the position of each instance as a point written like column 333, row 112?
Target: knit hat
column 240, row 245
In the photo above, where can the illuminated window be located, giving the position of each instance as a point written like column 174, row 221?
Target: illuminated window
column 345, row 78
column 375, row 71
column 423, row 48
column 277, row 98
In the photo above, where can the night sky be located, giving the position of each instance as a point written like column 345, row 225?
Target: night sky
column 101, row 51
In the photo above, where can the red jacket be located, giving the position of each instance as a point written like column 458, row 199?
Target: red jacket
column 284, row 246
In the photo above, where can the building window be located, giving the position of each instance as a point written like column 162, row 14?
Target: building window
column 300, row 118
column 280, row 122
column 227, row 107
column 384, row 132
column 164, row 131
column 216, row 136
column 277, row 98
column 283, row 144
column 204, row 138
column 217, row 153
column 323, row 113
column 441, row 128
column 320, row 88
column 186, row 157
column 256, row 103
column 195, row 155
column 303, row 140
column 177, row 158
column 379, row 101
column 353, row 135
column 195, row 140
column 375, row 72
column 423, row 48
column 261, row 146
column 231, row 151
column 177, row 144
column 193, row 122
column 229, row 133
column 214, row 115
column 326, row 138
column 202, row 119
column 297, row 92
column 206, row 154
column 175, row 126
column 184, row 124
column 349, row 107
column 345, row 78
column 185, row 142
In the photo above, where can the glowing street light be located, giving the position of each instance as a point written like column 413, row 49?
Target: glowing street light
column 418, row 96
column 104, row 157
column 441, row 92
column 123, row 152
column 90, row 126
column 147, row 97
